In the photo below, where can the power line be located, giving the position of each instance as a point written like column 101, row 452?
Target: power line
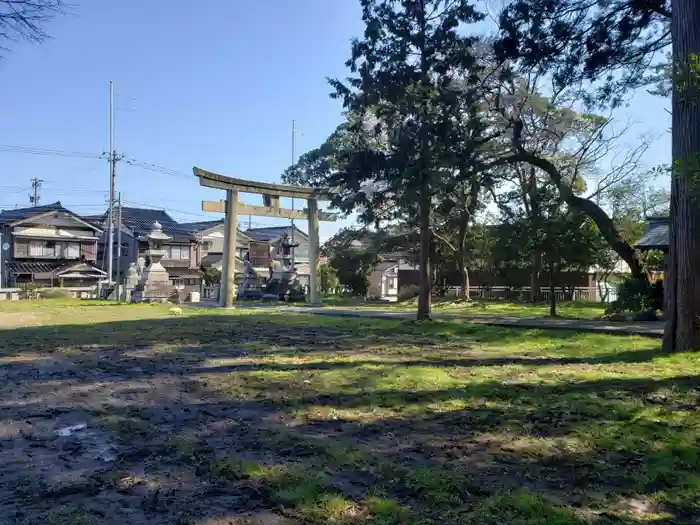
column 7, row 148
column 18, row 191
column 20, row 205
column 156, row 168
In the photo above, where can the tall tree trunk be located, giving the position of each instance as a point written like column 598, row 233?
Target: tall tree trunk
column 552, row 295
column 463, row 277
column 461, row 263
column 682, row 330
column 425, row 247
column 535, row 270
column 465, row 284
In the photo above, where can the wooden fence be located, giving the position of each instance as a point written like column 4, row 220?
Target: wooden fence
column 505, row 293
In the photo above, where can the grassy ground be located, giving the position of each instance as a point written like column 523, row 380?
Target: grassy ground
column 568, row 309
column 129, row 415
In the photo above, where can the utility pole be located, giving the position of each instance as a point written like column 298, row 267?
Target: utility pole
column 119, row 247
column 36, row 184
column 294, row 136
column 112, row 186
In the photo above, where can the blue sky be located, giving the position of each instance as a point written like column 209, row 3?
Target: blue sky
column 216, row 84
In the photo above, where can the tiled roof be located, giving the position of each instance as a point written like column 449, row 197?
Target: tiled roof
column 200, row 226
column 271, row 233
column 97, row 220
column 42, row 267
column 32, row 267
column 212, row 258
column 382, row 267
column 655, row 236
column 140, row 221
column 10, row 216
column 184, row 272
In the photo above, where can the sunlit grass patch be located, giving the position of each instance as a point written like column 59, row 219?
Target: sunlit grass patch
column 520, row 507
column 349, row 421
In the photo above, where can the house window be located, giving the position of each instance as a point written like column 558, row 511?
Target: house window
column 391, row 283
column 39, row 249
column 177, row 283
column 176, row 252
column 125, row 251
column 71, row 251
column 206, row 246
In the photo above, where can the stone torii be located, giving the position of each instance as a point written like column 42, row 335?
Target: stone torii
column 271, row 193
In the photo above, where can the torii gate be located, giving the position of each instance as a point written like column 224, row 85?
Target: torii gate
column 271, row 193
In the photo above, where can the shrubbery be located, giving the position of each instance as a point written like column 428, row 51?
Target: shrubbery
column 408, row 291
column 634, row 295
column 55, row 293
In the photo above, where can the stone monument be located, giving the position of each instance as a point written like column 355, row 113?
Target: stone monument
column 284, row 285
column 250, row 288
column 154, row 285
column 131, row 279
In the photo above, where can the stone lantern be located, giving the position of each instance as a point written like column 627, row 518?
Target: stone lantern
column 154, row 284
column 284, row 285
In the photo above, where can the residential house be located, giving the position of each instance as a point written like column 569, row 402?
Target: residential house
column 183, row 251
column 211, row 236
column 49, row 246
column 384, row 281
column 270, row 239
column 262, row 245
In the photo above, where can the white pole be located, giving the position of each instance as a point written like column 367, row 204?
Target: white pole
column 293, row 161
column 119, row 248
column 110, row 212
column 2, row 258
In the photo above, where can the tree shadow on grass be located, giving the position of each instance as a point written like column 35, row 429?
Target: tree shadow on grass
column 186, row 450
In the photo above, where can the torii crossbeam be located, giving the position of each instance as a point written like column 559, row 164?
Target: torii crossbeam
column 271, row 193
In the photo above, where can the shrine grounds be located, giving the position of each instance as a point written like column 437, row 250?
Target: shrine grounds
column 127, row 414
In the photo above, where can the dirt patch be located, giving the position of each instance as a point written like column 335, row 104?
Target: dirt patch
column 273, row 424
column 19, row 319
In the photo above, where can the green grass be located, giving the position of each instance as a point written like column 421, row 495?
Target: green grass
column 457, row 309
column 568, row 309
column 348, row 421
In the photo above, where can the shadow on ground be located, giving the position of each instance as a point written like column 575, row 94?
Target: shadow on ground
column 283, row 419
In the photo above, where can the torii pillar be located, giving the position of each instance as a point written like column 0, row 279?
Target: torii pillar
column 271, row 193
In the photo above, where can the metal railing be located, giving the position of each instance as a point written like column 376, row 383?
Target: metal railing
column 506, row 293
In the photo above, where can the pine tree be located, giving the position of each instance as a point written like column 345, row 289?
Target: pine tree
column 404, row 76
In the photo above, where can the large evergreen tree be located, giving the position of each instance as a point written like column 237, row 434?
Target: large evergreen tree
column 407, row 72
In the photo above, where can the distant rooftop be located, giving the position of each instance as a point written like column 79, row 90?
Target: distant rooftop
column 18, row 214
column 140, row 221
column 655, row 236
column 271, row 233
column 200, row 226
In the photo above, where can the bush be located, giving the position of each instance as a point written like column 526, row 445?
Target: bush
column 55, row 293
column 328, row 279
column 638, row 296
column 408, row 291
column 29, row 290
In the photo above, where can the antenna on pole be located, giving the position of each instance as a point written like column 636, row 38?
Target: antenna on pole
column 294, row 136
column 36, row 184
column 112, row 158
column 112, row 186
